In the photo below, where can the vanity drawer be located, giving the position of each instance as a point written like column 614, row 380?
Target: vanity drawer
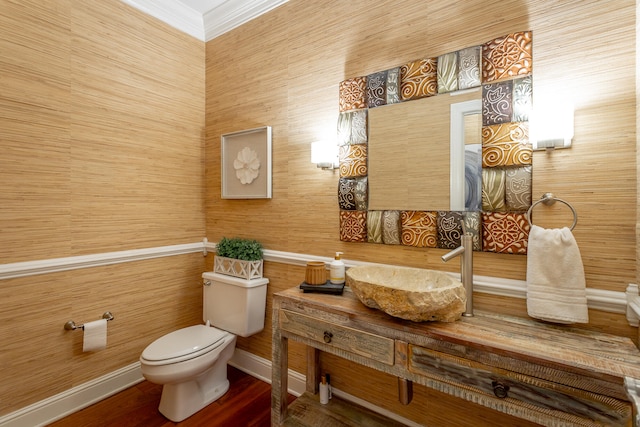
column 354, row 341
column 574, row 406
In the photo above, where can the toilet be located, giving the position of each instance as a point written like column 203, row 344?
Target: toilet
column 191, row 363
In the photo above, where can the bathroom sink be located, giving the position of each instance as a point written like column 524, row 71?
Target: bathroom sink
column 409, row 293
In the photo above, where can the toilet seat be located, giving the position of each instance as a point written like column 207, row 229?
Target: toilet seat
column 183, row 344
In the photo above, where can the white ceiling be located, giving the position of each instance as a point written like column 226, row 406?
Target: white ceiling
column 205, row 19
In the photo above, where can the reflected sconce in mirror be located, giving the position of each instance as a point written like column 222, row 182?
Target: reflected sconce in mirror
column 552, row 127
column 324, row 154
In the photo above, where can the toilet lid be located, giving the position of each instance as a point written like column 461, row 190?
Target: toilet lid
column 184, row 342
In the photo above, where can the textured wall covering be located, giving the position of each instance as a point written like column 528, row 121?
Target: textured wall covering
column 75, row 72
column 303, row 57
column 101, row 136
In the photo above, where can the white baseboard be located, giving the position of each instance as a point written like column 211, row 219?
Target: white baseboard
column 62, row 404
column 261, row 368
column 356, row 400
column 59, row 406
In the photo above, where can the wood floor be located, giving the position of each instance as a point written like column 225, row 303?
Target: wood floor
column 247, row 403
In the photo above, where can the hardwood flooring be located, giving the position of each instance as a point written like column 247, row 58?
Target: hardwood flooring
column 246, row 404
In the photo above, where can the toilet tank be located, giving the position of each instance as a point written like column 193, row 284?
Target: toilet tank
column 234, row 305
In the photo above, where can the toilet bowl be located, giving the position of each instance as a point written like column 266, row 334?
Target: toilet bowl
column 191, row 363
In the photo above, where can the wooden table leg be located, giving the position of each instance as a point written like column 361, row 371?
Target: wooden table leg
column 279, row 373
column 405, row 391
column 313, row 369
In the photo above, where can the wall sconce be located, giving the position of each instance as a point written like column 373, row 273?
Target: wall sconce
column 552, row 127
column 324, row 154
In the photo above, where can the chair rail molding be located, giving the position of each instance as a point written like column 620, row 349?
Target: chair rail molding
column 31, row 268
column 598, row 299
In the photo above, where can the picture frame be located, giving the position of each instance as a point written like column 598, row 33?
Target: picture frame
column 246, row 164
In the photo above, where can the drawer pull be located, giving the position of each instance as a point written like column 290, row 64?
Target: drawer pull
column 327, row 336
column 500, row 390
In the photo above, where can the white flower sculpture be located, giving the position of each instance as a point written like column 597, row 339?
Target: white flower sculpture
column 247, row 165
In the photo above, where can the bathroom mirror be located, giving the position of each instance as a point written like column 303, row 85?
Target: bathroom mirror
column 404, row 182
column 417, row 153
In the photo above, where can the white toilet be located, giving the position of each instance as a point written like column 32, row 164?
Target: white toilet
column 191, row 363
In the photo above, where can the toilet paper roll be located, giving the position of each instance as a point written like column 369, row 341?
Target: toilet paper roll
column 95, row 335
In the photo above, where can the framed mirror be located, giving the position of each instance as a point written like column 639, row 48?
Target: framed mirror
column 428, row 206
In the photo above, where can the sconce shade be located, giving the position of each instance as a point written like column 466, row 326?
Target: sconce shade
column 552, row 127
column 324, row 154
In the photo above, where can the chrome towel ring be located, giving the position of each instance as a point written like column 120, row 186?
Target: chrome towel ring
column 549, row 199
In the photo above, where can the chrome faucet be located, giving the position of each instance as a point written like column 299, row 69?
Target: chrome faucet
column 465, row 250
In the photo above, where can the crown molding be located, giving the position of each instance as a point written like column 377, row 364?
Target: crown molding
column 233, row 13
column 174, row 13
column 224, row 17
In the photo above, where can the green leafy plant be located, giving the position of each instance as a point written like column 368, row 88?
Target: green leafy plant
column 244, row 249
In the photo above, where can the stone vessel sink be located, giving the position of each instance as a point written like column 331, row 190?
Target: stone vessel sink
column 409, row 293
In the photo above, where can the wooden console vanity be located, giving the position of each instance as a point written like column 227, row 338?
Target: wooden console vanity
column 551, row 375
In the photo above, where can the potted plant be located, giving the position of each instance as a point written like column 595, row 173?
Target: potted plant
column 239, row 258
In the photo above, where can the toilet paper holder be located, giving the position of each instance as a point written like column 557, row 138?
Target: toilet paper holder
column 71, row 325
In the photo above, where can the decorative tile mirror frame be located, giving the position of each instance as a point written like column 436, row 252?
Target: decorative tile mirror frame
column 503, row 68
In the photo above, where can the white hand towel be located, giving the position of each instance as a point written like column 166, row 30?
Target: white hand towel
column 556, row 287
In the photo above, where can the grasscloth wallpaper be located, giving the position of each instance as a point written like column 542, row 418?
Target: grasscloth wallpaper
column 284, row 70
column 110, row 125
column 101, row 150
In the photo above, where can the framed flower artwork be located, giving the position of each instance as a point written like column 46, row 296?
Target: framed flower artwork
column 246, row 164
